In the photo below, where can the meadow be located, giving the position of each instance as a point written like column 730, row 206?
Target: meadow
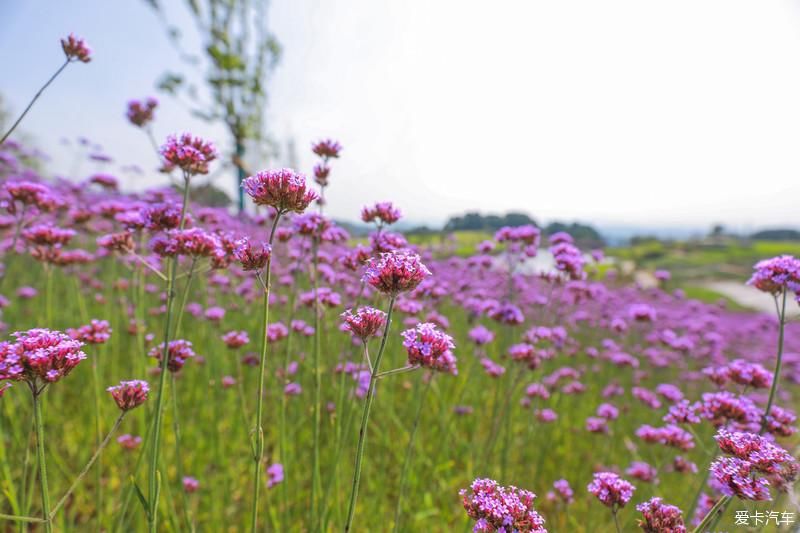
column 270, row 373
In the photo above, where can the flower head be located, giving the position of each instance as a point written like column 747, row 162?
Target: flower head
column 252, row 257
column 659, row 517
column 776, row 274
column 498, row 508
column 39, row 355
column 129, row 394
column 191, row 154
column 274, row 474
column 95, row 332
column 283, row 188
column 326, row 148
column 395, row 272
column 140, row 113
column 364, row 323
column 610, row 489
column 382, row 212
column 428, row 347
column 75, row 49
column 179, row 351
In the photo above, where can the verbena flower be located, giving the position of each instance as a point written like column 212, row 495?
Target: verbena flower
column 659, row 517
column 178, row 353
column 235, row 339
column 283, row 189
column 428, row 347
column 141, row 113
column 776, row 274
column 395, row 272
column 129, row 442
column 498, row 508
column 190, row 484
column 95, row 332
column 76, row 49
column 327, row 148
column 39, row 355
column 610, row 489
column 129, row 394
column 364, row 323
column 382, row 212
column 189, row 153
column 274, row 474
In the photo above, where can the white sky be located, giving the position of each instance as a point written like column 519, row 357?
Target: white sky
column 679, row 113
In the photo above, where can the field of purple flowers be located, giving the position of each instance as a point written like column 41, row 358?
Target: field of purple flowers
column 167, row 366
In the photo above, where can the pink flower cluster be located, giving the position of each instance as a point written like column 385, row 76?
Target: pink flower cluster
column 39, row 355
column 751, row 455
column 95, row 332
column 140, row 113
column 395, row 272
column 364, row 323
column 76, row 49
column 178, row 353
column 611, row 490
column 498, row 508
column 382, row 213
column 283, row 189
column 659, row 517
column 430, row 348
column 129, row 394
column 776, row 274
column 189, row 153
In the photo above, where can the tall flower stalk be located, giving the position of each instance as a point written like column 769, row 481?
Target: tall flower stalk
column 391, row 274
column 192, row 155
column 285, row 191
column 75, row 49
column 776, row 276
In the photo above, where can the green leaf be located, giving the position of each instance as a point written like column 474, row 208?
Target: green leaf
column 141, row 497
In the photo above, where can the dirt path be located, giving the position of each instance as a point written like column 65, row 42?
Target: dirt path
column 748, row 296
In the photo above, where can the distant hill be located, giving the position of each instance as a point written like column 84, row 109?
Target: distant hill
column 778, row 234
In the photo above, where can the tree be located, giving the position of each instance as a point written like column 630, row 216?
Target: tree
column 241, row 54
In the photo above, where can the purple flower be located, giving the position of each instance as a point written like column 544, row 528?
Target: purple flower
column 191, row 154
column 283, row 189
column 364, row 323
column 129, row 394
column 381, row 212
column 395, row 272
column 76, row 49
column 39, row 355
column 140, row 113
column 610, row 489
column 190, row 484
column 430, row 348
column 659, row 517
column 252, row 257
column 497, row 508
column 776, row 274
column 178, row 353
column 274, row 474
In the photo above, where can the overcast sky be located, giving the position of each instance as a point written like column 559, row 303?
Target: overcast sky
column 679, row 113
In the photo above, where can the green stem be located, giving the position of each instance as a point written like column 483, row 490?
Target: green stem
column 409, row 451
column 37, row 413
column 27, row 519
column 154, row 475
column 258, row 448
column 711, row 515
column 315, row 474
column 776, row 376
column 33, row 101
column 98, row 495
column 88, row 466
column 616, row 520
column 362, row 433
